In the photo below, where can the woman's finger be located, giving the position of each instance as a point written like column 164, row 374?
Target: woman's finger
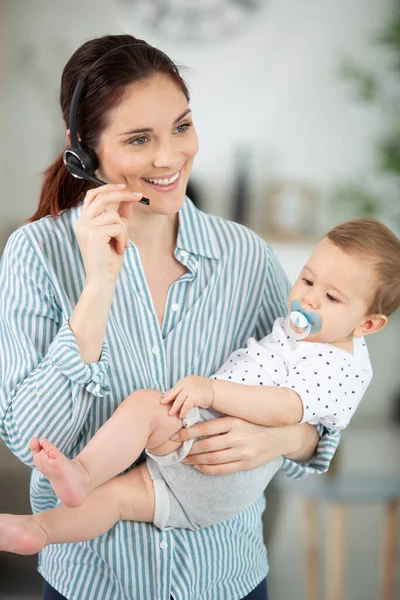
column 112, row 217
column 110, row 199
column 115, row 232
column 92, row 194
column 224, row 469
column 211, row 458
column 212, row 427
column 108, row 217
column 212, row 444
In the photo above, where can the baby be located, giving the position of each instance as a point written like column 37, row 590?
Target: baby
column 314, row 367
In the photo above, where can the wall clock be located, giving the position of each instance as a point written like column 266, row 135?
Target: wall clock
column 192, row 20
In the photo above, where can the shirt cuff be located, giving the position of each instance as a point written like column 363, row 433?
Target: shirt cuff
column 319, row 463
column 65, row 356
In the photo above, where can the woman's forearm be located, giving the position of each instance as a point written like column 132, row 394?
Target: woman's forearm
column 88, row 322
column 302, row 441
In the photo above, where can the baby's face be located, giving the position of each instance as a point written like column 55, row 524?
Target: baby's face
column 338, row 287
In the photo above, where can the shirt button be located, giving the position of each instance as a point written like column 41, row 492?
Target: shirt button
column 197, row 265
column 163, row 545
column 97, row 388
column 155, row 350
column 175, row 307
column 183, row 253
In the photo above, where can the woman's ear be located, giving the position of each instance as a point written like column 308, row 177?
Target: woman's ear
column 68, row 136
column 371, row 324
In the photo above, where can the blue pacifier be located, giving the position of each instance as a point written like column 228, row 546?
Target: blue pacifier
column 308, row 321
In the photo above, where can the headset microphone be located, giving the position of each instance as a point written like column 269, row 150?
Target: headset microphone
column 80, row 160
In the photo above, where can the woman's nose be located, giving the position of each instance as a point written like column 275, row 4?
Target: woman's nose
column 165, row 155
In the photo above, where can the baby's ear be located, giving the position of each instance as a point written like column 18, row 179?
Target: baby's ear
column 371, row 324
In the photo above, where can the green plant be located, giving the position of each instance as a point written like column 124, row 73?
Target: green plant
column 370, row 87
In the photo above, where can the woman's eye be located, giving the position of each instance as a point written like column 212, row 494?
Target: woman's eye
column 139, row 141
column 307, row 281
column 332, row 298
column 183, row 127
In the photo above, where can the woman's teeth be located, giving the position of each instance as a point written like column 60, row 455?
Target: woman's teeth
column 163, row 181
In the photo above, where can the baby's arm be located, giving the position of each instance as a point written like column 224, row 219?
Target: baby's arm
column 263, row 405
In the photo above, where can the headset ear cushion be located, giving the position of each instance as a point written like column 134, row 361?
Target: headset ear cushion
column 71, row 162
column 88, row 157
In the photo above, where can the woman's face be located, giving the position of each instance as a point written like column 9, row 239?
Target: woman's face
column 150, row 143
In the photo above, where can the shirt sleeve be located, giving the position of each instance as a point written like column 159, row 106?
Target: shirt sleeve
column 275, row 297
column 319, row 463
column 330, row 387
column 46, row 389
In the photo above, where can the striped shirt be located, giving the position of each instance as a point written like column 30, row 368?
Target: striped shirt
column 234, row 288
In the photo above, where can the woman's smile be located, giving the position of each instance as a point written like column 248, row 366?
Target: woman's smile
column 164, row 183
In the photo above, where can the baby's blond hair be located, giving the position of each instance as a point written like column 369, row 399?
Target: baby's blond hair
column 379, row 247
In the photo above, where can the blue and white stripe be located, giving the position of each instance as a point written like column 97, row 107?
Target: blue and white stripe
column 234, row 288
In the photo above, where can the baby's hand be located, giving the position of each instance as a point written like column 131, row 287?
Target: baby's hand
column 189, row 392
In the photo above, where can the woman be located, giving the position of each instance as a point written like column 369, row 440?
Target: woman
column 107, row 295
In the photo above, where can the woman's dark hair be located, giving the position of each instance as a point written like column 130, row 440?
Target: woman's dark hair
column 108, row 65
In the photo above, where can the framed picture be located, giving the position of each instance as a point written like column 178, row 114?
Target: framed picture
column 290, row 211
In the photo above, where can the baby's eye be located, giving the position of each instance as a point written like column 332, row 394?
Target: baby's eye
column 332, row 298
column 307, row 281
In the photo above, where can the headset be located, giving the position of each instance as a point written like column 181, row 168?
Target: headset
column 80, row 160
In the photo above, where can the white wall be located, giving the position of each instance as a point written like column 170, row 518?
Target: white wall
column 273, row 88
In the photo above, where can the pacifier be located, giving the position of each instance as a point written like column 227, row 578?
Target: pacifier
column 308, row 321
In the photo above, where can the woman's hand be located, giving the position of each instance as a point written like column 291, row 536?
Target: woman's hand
column 102, row 232
column 238, row 445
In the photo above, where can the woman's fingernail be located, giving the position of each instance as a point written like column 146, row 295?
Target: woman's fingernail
column 121, row 185
column 174, row 437
column 136, row 195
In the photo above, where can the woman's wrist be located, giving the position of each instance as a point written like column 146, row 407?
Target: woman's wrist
column 300, row 441
column 99, row 290
column 88, row 321
column 289, row 439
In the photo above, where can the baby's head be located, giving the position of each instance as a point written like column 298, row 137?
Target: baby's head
column 352, row 280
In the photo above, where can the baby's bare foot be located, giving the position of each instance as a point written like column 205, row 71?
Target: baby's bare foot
column 68, row 478
column 21, row 534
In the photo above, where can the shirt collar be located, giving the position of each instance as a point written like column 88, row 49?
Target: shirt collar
column 194, row 232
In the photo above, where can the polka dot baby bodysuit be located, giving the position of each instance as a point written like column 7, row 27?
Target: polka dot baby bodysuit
column 329, row 380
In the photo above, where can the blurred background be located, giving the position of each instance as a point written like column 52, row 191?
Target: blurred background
column 296, row 103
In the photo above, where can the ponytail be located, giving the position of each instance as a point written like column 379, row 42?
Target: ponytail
column 60, row 190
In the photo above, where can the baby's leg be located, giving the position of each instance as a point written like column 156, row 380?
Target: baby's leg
column 140, row 421
column 126, row 497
